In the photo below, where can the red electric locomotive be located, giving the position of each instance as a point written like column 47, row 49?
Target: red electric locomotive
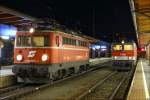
column 124, row 55
column 41, row 56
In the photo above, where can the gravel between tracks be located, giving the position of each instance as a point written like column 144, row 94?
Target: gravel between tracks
column 104, row 90
column 10, row 88
column 69, row 89
column 12, row 93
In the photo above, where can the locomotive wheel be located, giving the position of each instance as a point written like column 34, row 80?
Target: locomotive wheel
column 61, row 73
column 82, row 68
column 71, row 71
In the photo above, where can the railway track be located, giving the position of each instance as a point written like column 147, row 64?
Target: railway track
column 19, row 91
column 105, row 89
column 27, row 89
column 10, row 88
column 85, row 87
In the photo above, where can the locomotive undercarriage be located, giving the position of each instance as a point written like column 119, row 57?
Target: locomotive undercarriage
column 45, row 73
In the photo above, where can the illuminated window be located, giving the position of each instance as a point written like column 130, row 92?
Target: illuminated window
column 128, row 47
column 117, row 47
column 38, row 41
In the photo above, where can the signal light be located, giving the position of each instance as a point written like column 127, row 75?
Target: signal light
column 142, row 49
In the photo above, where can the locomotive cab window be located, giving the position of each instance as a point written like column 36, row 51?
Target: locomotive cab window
column 40, row 41
column 23, row 41
column 128, row 47
column 34, row 41
column 117, row 47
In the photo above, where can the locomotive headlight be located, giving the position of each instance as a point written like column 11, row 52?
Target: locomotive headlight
column 115, row 57
column 44, row 57
column 130, row 58
column 19, row 57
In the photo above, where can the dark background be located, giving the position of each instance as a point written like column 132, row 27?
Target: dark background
column 107, row 20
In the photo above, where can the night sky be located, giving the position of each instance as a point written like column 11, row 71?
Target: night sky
column 104, row 19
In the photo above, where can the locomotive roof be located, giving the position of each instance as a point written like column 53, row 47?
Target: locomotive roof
column 90, row 39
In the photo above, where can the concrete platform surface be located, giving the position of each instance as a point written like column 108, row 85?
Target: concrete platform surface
column 104, row 58
column 6, row 72
column 7, row 67
column 99, row 61
column 140, row 87
column 7, row 78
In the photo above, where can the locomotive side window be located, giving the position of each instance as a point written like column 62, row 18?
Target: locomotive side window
column 69, row 41
column 82, row 43
column 128, row 47
column 117, row 47
column 74, row 42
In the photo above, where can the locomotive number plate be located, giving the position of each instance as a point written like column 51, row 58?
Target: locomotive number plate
column 123, row 54
column 123, row 58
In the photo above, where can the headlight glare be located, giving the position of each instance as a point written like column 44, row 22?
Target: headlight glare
column 130, row 58
column 44, row 57
column 19, row 57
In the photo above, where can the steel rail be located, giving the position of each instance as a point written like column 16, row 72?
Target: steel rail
column 95, row 86
column 4, row 90
column 118, row 87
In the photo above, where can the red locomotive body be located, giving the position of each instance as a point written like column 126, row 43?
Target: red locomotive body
column 124, row 55
column 48, row 55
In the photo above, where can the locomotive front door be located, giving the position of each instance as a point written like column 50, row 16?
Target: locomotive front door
column 60, row 50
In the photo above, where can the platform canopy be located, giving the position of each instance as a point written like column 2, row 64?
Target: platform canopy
column 141, row 15
column 11, row 17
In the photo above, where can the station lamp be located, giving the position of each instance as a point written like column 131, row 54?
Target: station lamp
column 5, row 37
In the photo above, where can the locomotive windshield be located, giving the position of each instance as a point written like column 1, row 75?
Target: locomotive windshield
column 122, row 47
column 34, row 41
column 117, row 47
column 128, row 47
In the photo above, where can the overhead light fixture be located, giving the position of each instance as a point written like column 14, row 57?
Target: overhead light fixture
column 31, row 30
column 5, row 37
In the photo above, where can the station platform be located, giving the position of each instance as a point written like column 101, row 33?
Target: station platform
column 7, row 67
column 97, row 61
column 7, row 77
column 140, row 86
